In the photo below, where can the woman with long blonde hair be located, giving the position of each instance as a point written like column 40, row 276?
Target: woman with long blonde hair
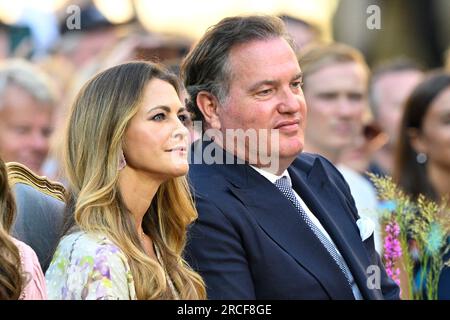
column 128, row 201
column 21, row 275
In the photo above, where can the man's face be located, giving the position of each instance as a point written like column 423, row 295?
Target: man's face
column 265, row 93
column 391, row 90
column 336, row 96
column 25, row 128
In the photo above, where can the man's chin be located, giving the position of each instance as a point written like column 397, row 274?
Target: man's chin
column 292, row 149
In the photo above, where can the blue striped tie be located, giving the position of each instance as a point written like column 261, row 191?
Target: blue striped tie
column 286, row 189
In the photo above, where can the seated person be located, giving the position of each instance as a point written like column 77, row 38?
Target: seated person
column 21, row 276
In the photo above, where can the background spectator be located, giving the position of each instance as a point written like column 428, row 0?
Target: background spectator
column 389, row 87
column 26, row 108
column 335, row 86
column 423, row 155
column 21, row 276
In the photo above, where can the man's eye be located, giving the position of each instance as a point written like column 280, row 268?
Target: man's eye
column 47, row 132
column 297, row 84
column 327, row 96
column 264, row 92
column 21, row 130
column 355, row 96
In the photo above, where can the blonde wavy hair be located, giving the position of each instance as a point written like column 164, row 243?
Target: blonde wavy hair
column 12, row 279
column 99, row 118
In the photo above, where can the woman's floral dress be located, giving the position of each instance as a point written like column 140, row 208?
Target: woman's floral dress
column 89, row 266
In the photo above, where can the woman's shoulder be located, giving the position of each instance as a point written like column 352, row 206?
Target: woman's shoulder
column 35, row 288
column 87, row 243
column 28, row 257
column 89, row 266
column 25, row 250
column 88, row 249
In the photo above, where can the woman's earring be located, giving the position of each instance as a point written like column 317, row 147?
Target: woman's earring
column 122, row 161
column 421, row 158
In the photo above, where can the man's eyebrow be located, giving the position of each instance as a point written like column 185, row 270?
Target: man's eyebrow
column 273, row 82
column 298, row 76
column 261, row 83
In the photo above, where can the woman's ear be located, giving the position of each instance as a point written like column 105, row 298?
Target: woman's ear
column 208, row 106
column 417, row 140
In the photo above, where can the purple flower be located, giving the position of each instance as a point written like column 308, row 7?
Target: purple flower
column 101, row 258
column 392, row 250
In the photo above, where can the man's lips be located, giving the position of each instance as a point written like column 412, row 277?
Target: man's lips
column 288, row 125
column 344, row 129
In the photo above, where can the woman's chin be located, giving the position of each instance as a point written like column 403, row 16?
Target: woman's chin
column 180, row 169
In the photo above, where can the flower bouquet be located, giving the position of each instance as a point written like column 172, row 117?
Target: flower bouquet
column 416, row 237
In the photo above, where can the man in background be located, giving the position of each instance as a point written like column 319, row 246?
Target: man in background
column 26, row 110
column 389, row 88
column 335, row 80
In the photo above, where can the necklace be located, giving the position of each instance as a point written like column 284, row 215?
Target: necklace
column 144, row 243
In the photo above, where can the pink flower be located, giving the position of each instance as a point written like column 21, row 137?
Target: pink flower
column 392, row 251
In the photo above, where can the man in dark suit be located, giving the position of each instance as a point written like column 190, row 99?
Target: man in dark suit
column 273, row 223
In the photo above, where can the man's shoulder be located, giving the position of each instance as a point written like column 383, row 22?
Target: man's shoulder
column 307, row 158
column 305, row 161
column 208, row 180
column 217, row 173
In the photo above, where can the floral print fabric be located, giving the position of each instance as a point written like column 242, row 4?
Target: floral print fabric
column 89, row 267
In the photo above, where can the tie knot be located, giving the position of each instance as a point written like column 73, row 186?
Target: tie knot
column 282, row 183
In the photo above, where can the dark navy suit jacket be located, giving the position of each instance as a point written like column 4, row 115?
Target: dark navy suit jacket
column 250, row 243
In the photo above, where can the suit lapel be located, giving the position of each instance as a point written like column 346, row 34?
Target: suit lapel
column 330, row 208
column 281, row 221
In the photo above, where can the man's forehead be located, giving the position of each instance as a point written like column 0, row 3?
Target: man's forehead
column 262, row 48
column 264, row 62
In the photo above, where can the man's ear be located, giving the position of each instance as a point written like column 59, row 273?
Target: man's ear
column 209, row 105
column 417, row 141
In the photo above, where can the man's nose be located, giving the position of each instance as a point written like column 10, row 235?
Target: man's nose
column 291, row 101
column 39, row 142
column 346, row 108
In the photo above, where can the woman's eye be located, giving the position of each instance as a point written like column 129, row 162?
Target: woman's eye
column 159, row 117
column 183, row 118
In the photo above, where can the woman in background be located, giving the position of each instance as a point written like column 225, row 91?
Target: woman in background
column 423, row 154
column 128, row 200
column 21, row 275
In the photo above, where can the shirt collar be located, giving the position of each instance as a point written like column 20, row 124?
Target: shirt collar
column 273, row 177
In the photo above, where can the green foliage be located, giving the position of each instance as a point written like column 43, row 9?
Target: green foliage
column 424, row 221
